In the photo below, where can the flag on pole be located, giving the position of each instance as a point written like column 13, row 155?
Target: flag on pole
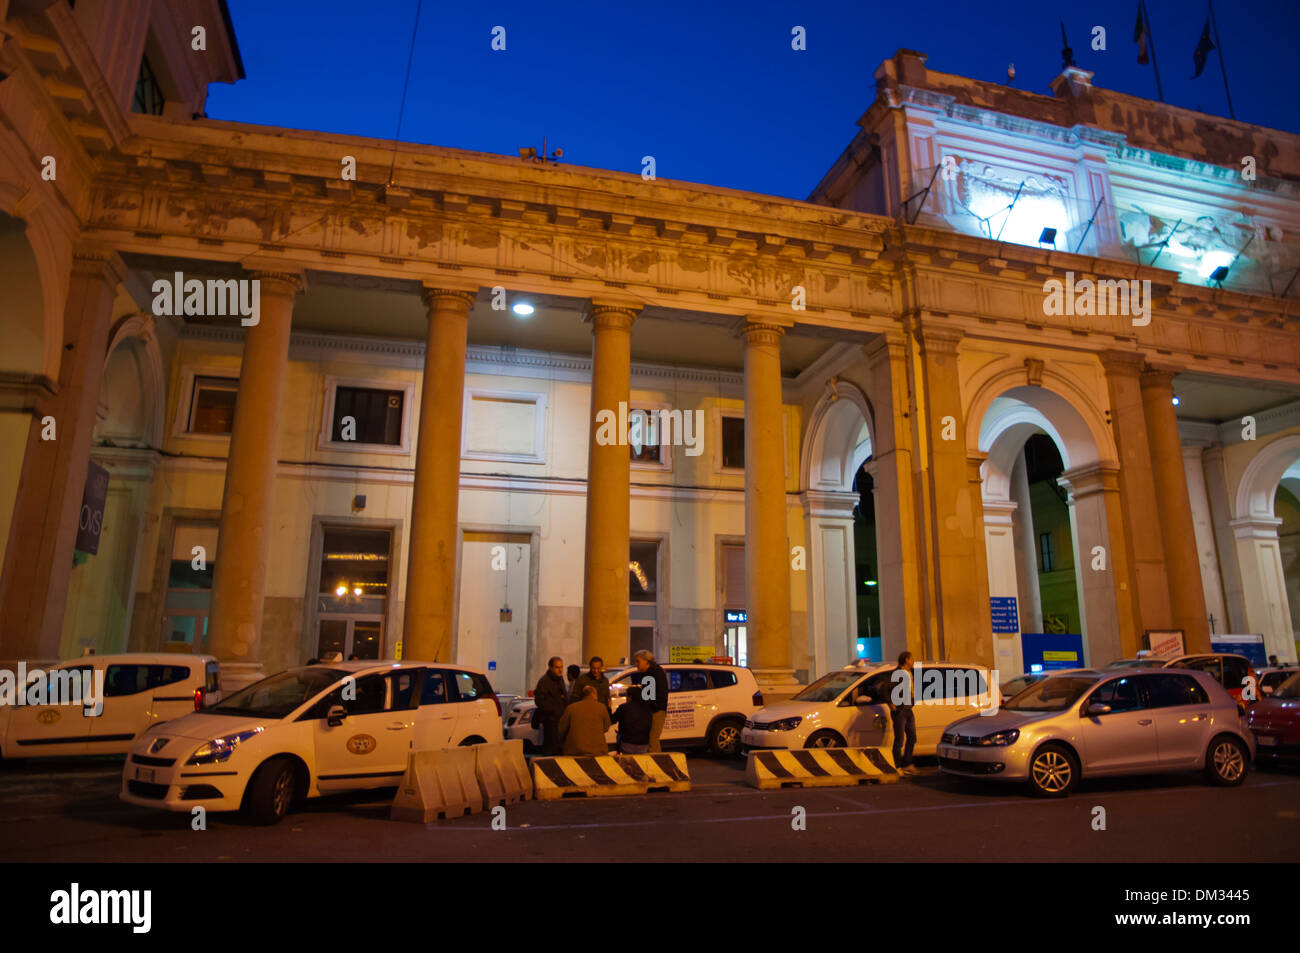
column 1202, row 49
column 1141, row 36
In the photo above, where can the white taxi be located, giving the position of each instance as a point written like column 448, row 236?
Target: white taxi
column 845, row 708
column 320, row 729
column 707, row 707
column 138, row 689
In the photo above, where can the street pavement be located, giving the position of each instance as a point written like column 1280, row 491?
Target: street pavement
column 68, row 810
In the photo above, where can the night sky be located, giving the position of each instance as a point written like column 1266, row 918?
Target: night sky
column 711, row 89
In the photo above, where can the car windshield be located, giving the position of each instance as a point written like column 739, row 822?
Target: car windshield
column 1052, row 694
column 1290, row 688
column 279, row 695
column 827, row 688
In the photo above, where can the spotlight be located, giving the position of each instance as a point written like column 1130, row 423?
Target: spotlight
column 341, row 591
column 1176, row 400
column 523, row 309
column 1047, row 237
column 356, row 590
column 1218, row 274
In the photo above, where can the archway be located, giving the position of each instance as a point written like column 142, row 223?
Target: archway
column 1266, row 527
column 1045, row 484
column 837, row 445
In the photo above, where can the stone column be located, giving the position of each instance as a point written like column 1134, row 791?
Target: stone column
column 832, row 595
column 435, row 498
column 902, row 574
column 47, row 505
column 1267, row 607
column 767, row 543
column 1137, row 488
column 1031, row 599
column 1182, row 568
column 965, row 626
column 609, row 475
column 1004, row 575
column 1203, row 523
column 1095, row 521
column 244, row 541
column 1216, row 487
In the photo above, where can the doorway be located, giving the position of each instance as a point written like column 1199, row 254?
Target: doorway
column 492, row 621
column 352, row 598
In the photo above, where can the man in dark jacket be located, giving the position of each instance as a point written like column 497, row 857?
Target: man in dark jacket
column 583, row 726
column 551, row 697
column 634, row 718
column 595, row 677
column 656, row 696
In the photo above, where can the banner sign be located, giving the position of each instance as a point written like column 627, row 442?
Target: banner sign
column 90, row 521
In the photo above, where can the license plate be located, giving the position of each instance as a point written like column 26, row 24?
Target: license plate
column 144, row 774
column 1265, row 740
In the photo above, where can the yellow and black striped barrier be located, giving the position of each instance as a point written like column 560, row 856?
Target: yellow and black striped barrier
column 609, row 775
column 818, row 767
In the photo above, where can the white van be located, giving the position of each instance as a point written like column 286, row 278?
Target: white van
column 845, row 708
column 320, row 729
column 140, row 689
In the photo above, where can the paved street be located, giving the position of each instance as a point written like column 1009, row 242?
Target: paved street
column 69, row 811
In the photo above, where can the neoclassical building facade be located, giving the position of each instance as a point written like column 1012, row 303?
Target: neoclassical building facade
column 431, row 436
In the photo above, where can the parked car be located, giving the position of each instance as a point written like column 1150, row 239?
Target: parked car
column 1010, row 689
column 707, row 707
column 1270, row 679
column 140, row 690
column 1231, row 671
column 1135, row 721
column 846, row 708
column 309, row 731
column 1144, row 661
column 1275, row 722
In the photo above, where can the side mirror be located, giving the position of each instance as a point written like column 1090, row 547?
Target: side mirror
column 1097, row 708
column 334, row 717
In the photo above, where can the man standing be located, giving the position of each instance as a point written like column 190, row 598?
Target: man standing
column 595, row 678
column 551, row 698
column 900, row 698
column 583, row 725
column 571, row 693
column 657, row 695
column 633, row 718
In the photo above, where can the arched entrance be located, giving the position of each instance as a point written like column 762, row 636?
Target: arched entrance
column 1045, row 484
column 1266, row 527
column 837, row 446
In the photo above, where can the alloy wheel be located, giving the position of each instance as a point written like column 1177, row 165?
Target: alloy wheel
column 1052, row 771
column 1228, row 762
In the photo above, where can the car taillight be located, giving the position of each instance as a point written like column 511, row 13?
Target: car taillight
column 758, row 699
column 198, row 698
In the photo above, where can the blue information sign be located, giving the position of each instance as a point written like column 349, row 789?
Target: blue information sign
column 1005, row 618
column 1047, row 651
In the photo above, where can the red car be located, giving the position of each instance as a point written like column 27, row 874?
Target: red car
column 1275, row 722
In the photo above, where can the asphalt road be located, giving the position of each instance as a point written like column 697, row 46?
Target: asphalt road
column 68, row 811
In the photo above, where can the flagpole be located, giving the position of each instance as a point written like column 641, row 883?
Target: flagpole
column 1224, row 69
column 1151, row 39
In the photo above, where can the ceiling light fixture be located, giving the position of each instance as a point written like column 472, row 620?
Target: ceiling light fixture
column 523, row 309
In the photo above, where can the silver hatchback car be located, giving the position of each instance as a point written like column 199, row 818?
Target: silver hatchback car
column 1096, row 724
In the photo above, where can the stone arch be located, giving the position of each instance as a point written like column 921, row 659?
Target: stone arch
column 1260, row 479
column 34, row 276
column 1010, row 411
column 837, row 443
column 134, row 385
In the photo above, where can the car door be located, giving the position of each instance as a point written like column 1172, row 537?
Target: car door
column 866, row 725
column 171, row 687
column 1124, row 739
column 962, row 688
column 1181, row 708
column 476, row 708
column 369, row 748
column 436, row 718
column 688, row 699
column 48, row 730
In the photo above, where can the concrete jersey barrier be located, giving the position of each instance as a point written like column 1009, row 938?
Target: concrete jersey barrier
column 819, row 767
column 609, row 775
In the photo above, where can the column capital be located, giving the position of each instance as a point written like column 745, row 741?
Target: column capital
column 937, row 339
column 277, row 277
column 435, row 290
column 885, row 345
column 1116, row 361
column 92, row 260
column 1255, row 527
column 1157, row 378
column 1093, row 478
column 26, row 393
column 608, row 313
column 760, row 329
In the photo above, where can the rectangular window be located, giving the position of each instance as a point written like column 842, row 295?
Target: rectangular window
column 733, row 443
column 212, row 405
column 643, row 572
column 1048, row 562
column 366, row 415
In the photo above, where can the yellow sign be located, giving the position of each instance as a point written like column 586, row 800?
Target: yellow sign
column 1060, row 656
column 361, row 744
column 397, row 651
column 690, row 653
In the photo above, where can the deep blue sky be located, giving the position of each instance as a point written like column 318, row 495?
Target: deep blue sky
column 711, row 89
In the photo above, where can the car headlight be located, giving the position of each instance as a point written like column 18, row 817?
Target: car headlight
column 1007, row 737
column 220, row 749
column 786, row 724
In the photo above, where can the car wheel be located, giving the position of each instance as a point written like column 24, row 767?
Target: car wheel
column 1226, row 761
column 1053, row 771
column 272, row 791
column 724, row 738
column 825, row 739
